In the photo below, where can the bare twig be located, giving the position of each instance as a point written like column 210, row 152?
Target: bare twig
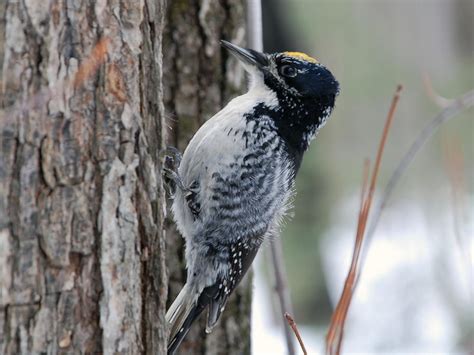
column 378, row 160
column 459, row 105
column 281, row 288
column 292, row 324
column 455, row 167
column 255, row 41
column 336, row 329
column 433, row 95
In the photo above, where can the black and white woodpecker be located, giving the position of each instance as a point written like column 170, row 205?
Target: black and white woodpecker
column 236, row 177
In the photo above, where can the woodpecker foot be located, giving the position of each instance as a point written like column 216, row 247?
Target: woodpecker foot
column 173, row 179
column 174, row 154
column 171, row 160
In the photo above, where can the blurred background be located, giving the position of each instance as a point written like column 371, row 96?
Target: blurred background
column 416, row 290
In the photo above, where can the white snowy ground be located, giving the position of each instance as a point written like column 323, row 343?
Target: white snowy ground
column 415, row 288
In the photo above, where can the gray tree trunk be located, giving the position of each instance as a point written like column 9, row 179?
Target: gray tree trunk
column 82, row 245
column 199, row 79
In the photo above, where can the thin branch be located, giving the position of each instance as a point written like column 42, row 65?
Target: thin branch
column 439, row 100
column 292, row 324
column 459, row 105
column 336, row 329
column 281, row 288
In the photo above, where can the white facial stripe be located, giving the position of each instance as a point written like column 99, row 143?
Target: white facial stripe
column 274, row 71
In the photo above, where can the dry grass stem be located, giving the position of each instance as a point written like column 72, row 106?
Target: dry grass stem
column 459, row 105
column 336, row 330
column 335, row 333
column 292, row 324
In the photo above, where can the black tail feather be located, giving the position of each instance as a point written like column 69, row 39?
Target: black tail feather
column 178, row 338
column 214, row 297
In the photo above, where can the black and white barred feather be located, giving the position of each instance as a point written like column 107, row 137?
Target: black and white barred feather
column 239, row 170
column 244, row 185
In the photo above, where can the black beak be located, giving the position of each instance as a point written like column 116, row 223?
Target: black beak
column 247, row 56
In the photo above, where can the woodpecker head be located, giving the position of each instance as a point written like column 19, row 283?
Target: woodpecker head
column 306, row 91
column 292, row 73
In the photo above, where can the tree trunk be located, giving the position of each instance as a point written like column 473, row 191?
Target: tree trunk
column 199, row 79
column 81, row 244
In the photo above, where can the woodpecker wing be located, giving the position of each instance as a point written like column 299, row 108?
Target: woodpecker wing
column 241, row 201
column 242, row 179
column 241, row 259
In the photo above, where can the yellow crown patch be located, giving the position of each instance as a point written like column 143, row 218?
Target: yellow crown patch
column 301, row 56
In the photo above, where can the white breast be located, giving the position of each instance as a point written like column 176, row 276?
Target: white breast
column 213, row 147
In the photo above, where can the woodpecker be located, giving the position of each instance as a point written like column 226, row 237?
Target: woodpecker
column 236, row 177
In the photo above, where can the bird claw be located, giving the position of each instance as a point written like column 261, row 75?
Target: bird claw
column 172, row 155
column 171, row 161
column 174, row 177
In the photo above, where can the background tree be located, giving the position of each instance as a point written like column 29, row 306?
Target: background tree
column 82, row 247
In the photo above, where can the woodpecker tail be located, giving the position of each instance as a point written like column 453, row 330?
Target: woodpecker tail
column 186, row 308
column 180, row 317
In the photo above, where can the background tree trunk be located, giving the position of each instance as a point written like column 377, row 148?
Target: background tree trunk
column 199, row 79
column 81, row 243
column 82, row 246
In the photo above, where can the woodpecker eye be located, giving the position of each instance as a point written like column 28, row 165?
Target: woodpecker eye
column 288, row 71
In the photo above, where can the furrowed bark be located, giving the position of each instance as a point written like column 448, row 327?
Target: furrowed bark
column 82, row 245
column 81, row 242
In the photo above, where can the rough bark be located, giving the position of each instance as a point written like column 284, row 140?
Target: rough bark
column 81, row 243
column 199, row 78
column 82, row 254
